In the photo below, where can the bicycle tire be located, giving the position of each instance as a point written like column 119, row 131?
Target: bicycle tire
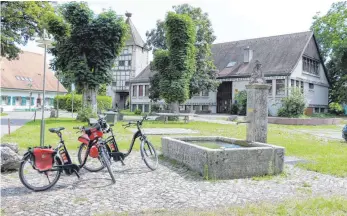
column 31, row 187
column 107, row 162
column 80, row 160
column 144, row 153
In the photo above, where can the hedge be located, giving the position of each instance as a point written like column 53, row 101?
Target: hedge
column 65, row 102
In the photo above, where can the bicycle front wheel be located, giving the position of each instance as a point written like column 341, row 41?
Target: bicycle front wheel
column 107, row 162
column 149, row 155
column 92, row 164
column 35, row 180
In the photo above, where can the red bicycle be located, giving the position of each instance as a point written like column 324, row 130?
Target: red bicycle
column 49, row 163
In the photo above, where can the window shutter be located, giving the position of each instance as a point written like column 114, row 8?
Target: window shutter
column 32, row 101
column 9, row 100
column 24, row 101
column 13, row 100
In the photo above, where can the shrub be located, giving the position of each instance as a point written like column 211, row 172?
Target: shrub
column 234, row 109
column 155, row 108
column 65, row 102
column 85, row 113
column 241, row 101
column 137, row 112
column 335, row 108
column 293, row 105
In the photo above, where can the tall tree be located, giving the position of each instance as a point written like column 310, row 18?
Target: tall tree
column 331, row 34
column 86, row 47
column 204, row 77
column 22, row 21
column 177, row 64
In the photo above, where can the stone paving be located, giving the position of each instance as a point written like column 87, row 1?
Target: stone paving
column 171, row 186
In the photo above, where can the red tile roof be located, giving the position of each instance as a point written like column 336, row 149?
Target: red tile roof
column 16, row 74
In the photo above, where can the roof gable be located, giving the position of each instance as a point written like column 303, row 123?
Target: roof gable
column 135, row 37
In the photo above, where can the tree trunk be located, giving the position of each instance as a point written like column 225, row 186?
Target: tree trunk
column 175, row 107
column 89, row 98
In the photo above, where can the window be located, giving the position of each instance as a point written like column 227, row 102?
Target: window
column 205, row 107
column 134, row 91
column 205, row 93
column 292, row 83
column 140, row 107
column 129, row 63
column 17, row 77
column 146, row 90
column 316, row 110
column 187, row 107
column 196, row 94
column 133, row 107
column 146, row 108
column 269, row 82
column 22, row 78
column 196, row 107
column 297, row 84
column 280, row 87
column 121, row 63
column 302, row 87
column 322, row 110
column 310, row 65
column 310, row 86
column 140, row 90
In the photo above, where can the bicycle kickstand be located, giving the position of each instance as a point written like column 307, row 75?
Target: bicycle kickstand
column 78, row 176
column 121, row 160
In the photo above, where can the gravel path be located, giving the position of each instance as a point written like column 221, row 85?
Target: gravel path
column 171, row 186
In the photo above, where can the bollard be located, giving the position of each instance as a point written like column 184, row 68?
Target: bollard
column 9, row 127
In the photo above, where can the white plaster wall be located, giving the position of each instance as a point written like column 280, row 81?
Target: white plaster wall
column 320, row 94
column 13, row 93
column 141, row 59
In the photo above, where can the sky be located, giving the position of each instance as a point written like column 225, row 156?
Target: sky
column 231, row 20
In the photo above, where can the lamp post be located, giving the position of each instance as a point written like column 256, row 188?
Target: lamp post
column 57, row 95
column 44, row 43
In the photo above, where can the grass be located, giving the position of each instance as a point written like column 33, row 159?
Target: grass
column 129, row 113
column 308, row 207
column 325, row 156
column 3, row 114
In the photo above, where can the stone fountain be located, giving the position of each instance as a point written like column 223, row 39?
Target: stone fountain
column 230, row 158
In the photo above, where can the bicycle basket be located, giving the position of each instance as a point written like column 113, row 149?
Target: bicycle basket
column 43, row 157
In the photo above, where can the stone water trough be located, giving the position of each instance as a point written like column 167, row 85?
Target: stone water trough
column 224, row 158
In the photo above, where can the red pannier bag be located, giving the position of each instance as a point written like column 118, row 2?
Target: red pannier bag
column 43, row 158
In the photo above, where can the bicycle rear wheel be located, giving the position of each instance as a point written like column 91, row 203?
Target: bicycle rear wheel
column 92, row 164
column 149, row 155
column 106, row 161
column 35, row 180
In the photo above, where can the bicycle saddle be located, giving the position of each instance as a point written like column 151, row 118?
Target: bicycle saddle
column 92, row 129
column 56, row 130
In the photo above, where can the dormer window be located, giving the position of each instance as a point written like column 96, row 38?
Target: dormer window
column 310, row 65
column 231, row 64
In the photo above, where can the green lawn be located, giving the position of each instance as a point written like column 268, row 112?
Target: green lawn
column 310, row 207
column 129, row 113
column 327, row 156
column 3, row 114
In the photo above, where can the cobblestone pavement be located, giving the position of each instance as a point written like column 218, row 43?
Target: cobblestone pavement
column 171, row 186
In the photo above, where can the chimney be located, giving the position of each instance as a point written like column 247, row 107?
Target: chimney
column 127, row 14
column 247, row 55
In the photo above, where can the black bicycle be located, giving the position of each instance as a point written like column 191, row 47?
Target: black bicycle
column 49, row 163
column 148, row 152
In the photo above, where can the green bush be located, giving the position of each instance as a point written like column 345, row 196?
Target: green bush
column 241, row 99
column 155, row 107
column 137, row 112
column 335, row 108
column 65, row 102
column 85, row 113
column 293, row 105
column 234, row 109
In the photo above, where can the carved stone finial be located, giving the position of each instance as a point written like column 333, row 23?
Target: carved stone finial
column 127, row 14
column 257, row 75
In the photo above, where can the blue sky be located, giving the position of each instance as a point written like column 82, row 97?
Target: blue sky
column 232, row 20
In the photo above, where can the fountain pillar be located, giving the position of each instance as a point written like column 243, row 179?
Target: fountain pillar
column 257, row 106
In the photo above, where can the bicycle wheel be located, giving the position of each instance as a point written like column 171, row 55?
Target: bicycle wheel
column 92, row 164
column 107, row 162
column 149, row 155
column 35, row 180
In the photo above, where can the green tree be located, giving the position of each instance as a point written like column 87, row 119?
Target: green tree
column 22, row 21
column 204, row 77
column 86, row 46
column 331, row 33
column 102, row 90
column 177, row 64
